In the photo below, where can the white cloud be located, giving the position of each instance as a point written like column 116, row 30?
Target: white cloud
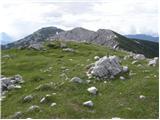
column 22, row 17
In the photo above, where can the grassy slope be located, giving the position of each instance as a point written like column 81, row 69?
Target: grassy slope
column 115, row 99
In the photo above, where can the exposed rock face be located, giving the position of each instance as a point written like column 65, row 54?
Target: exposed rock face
column 36, row 46
column 106, row 67
column 102, row 36
column 37, row 37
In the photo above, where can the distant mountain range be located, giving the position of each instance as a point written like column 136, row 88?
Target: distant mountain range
column 103, row 37
column 143, row 37
column 5, row 38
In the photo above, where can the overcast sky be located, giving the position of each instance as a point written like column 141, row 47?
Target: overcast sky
column 22, row 17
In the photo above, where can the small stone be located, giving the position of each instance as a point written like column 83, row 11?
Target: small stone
column 54, row 93
column 33, row 108
column 28, row 98
column 142, row 97
column 76, row 80
column 105, row 82
column 68, row 50
column 92, row 90
column 96, row 57
column 88, row 103
column 10, row 87
column 122, row 78
column 43, row 100
column 125, row 69
column 17, row 115
column 53, row 104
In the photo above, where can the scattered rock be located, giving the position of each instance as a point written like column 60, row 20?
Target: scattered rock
column 68, row 49
column 139, row 57
column 53, row 104
column 92, row 90
column 125, row 68
column 96, row 57
column 17, row 115
column 28, row 98
column 88, row 103
column 76, row 80
column 142, row 97
column 36, row 46
column 153, row 62
column 122, row 78
column 34, row 108
column 105, row 67
column 43, row 100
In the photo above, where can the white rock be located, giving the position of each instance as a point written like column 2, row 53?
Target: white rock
column 68, row 50
column 88, row 103
column 53, row 104
column 96, row 57
column 125, row 69
column 33, row 108
column 153, row 62
column 54, row 93
column 122, row 78
column 76, row 80
column 92, row 90
column 142, row 97
column 105, row 67
column 43, row 100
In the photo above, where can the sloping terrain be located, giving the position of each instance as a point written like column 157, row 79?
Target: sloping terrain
column 103, row 37
column 115, row 98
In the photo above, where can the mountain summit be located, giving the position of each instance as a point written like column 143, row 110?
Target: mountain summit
column 103, row 37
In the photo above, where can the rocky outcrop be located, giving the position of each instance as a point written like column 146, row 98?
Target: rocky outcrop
column 106, row 68
column 9, row 83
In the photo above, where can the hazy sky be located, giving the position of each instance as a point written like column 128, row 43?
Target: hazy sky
column 22, row 17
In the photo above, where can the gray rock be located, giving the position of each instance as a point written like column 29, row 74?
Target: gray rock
column 17, row 115
column 18, row 78
column 88, row 103
column 36, row 46
column 76, row 80
column 28, row 98
column 125, row 68
column 139, row 57
column 33, row 108
column 105, row 67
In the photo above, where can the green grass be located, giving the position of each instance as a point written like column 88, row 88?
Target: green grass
column 116, row 98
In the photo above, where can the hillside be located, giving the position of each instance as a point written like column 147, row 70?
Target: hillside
column 103, row 37
column 143, row 37
column 135, row 97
